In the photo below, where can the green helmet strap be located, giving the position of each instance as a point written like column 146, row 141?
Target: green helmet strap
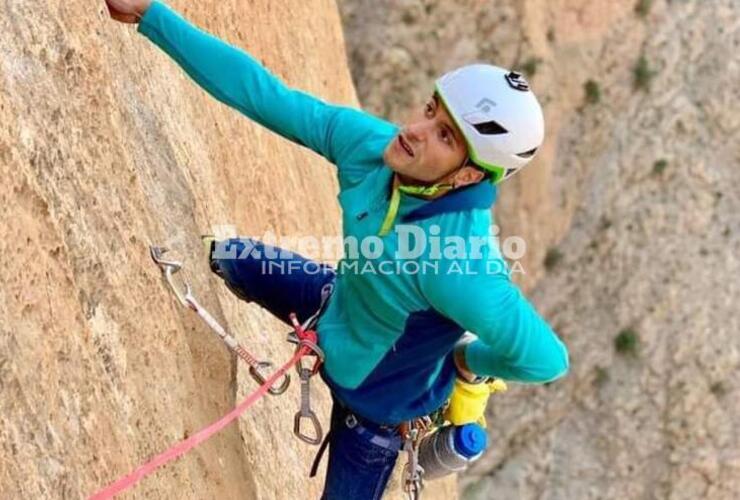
column 424, row 190
column 390, row 215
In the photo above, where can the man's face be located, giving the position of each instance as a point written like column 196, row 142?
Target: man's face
column 428, row 147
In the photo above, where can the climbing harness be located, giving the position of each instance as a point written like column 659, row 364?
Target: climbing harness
column 408, row 436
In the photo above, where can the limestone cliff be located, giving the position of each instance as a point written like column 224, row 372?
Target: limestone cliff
column 630, row 214
column 106, row 147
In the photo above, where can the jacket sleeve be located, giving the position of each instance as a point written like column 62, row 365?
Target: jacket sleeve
column 515, row 342
column 235, row 78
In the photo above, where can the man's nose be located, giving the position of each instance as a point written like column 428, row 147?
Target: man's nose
column 417, row 131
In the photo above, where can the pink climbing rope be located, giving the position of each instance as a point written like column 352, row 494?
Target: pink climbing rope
column 188, row 444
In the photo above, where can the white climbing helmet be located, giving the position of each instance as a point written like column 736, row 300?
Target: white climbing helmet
column 497, row 113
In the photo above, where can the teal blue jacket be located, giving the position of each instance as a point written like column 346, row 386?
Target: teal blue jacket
column 388, row 334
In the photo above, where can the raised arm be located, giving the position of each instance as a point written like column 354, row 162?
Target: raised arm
column 235, row 78
column 514, row 343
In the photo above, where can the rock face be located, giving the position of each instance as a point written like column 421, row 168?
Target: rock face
column 106, row 147
column 631, row 217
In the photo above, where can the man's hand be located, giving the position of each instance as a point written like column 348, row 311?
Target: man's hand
column 127, row 11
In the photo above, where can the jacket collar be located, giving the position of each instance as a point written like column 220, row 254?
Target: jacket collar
column 479, row 195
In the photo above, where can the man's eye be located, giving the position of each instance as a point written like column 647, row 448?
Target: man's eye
column 445, row 135
column 429, row 110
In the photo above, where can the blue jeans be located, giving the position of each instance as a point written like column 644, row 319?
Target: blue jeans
column 362, row 454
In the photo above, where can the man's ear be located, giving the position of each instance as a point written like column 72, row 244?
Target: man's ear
column 467, row 175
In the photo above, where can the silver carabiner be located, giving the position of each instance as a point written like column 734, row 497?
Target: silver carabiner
column 412, row 471
column 170, row 267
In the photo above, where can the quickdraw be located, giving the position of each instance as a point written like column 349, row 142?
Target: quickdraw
column 257, row 369
column 309, row 340
column 412, row 433
column 302, row 335
column 307, row 345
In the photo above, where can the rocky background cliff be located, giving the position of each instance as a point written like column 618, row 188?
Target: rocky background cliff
column 631, row 214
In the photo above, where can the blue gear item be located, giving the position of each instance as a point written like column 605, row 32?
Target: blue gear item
column 470, row 439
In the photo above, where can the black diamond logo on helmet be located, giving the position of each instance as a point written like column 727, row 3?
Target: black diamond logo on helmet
column 517, row 81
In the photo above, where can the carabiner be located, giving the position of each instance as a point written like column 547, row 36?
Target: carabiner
column 316, row 425
column 317, row 361
column 305, row 411
column 275, row 390
column 170, row 267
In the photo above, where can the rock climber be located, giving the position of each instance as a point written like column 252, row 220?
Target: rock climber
column 395, row 342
